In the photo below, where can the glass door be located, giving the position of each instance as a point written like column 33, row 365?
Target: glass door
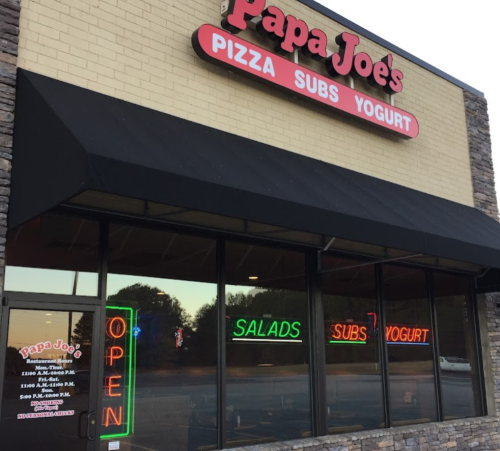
column 49, row 373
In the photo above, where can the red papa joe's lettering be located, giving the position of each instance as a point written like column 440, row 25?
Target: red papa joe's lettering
column 362, row 66
column 272, row 24
column 379, row 74
column 239, row 12
column 291, row 32
column 296, row 35
column 396, row 85
column 341, row 63
column 393, row 83
column 316, row 45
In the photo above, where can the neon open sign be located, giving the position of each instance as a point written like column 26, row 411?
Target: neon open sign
column 119, row 374
column 265, row 330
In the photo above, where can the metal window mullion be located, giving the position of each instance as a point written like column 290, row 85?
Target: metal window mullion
column 435, row 342
column 317, row 367
column 221, row 344
column 383, row 353
column 102, row 294
column 4, row 327
column 103, row 260
column 479, row 349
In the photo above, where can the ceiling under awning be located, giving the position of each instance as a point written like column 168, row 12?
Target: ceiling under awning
column 70, row 140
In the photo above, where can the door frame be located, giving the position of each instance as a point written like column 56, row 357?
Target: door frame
column 33, row 301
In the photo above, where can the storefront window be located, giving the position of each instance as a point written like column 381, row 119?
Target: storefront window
column 53, row 254
column 457, row 347
column 409, row 346
column 159, row 390
column 161, row 341
column 353, row 371
column 268, row 387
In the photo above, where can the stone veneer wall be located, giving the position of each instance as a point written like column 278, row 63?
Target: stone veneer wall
column 9, row 32
column 480, row 434
column 481, row 161
column 492, row 318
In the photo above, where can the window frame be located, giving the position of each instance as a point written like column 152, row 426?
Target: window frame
column 315, row 312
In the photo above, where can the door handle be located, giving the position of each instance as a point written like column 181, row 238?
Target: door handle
column 90, row 422
column 81, row 426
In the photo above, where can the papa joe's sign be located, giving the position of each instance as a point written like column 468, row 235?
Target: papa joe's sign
column 289, row 33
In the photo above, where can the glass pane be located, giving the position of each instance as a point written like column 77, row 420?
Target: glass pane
column 268, row 388
column 409, row 346
column 457, row 346
column 353, row 372
column 53, row 254
column 47, row 380
column 160, row 390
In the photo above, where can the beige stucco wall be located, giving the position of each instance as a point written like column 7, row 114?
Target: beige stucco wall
column 140, row 51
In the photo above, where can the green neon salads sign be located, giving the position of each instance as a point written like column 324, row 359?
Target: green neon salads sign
column 264, row 330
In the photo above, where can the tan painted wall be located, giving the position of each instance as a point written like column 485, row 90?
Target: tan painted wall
column 140, row 51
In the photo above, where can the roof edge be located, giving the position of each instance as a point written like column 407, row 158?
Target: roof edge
column 393, row 48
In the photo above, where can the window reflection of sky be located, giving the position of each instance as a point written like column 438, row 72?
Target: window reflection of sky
column 49, row 281
column 29, row 327
column 192, row 295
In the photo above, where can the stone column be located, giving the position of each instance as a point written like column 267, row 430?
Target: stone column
column 485, row 199
column 9, row 39
column 481, row 161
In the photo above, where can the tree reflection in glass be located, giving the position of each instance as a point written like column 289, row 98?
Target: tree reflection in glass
column 268, row 387
column 457, row 346
column 168, row 281
column 352, row 327
column 411, row 364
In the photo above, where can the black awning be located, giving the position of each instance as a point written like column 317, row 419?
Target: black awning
column 68, row 140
